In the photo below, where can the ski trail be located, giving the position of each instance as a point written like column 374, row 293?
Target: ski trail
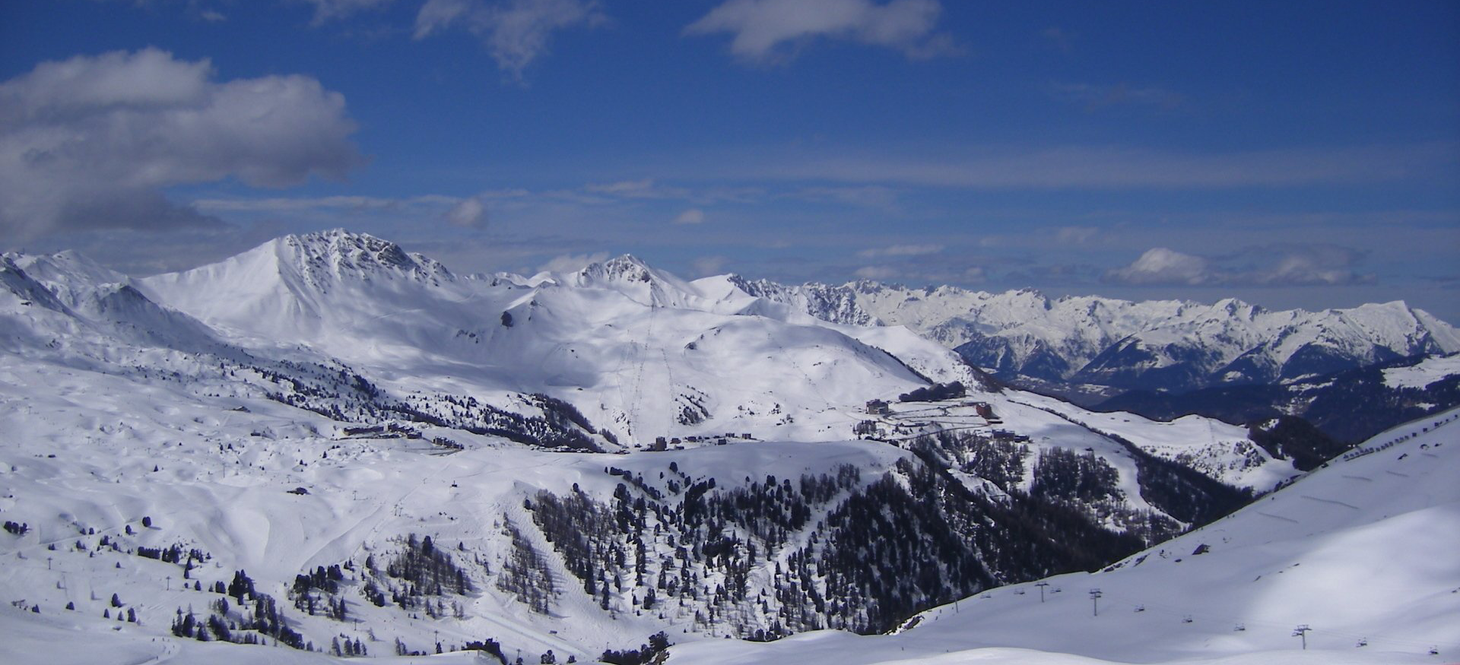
column 815, row 389
column 170, row 650
column 396, row 507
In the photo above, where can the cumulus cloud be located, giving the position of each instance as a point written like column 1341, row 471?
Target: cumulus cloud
column 567, row 263
column 468, row 213
column 768, row 30
column 1318, row 265
column 691, row 216
column 515, row 32
column 1160, row 265
column 92, row 142
column 900, row 250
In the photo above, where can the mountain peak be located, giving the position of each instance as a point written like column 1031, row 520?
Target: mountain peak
column 627, row 267
column 634, row 278
column 338, row 253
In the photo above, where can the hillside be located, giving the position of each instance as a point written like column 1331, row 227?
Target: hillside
column 1358, row 552
column 1347, row 406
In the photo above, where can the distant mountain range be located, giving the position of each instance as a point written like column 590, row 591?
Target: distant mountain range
column 1106, row 346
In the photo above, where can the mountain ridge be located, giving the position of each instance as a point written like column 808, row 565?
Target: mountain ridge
column 1164, row 344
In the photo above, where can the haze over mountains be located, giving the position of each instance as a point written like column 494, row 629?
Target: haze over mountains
column 398, row 455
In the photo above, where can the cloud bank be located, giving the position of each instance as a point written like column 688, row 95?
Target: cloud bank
column 92, row 142
column 1114, row 168
column 901, row 250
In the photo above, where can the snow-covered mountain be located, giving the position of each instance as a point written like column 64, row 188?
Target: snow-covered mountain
column 1358, row 553
column 1154, row 345
column 641, row 353
column 266, row 444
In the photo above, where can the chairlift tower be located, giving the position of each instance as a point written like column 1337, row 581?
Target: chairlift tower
column 1095, row 600
column 1302, row 631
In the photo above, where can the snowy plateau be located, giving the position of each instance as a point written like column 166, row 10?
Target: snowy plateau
column 329, row 448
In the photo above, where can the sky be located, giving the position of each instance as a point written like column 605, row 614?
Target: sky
column 1291, row 154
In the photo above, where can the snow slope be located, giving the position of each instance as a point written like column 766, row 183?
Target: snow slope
column 1219, row 450
column 1360, row 551
column 640, row 352
column 95, row 454
column 1423, row 374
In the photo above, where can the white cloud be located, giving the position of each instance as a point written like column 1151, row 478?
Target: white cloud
column 286, row 205
column 515, row 32
column 1111, row 168
column 691, row 216
column 877, row 272
column 1160, row 265
column 567, row 263
column 329, row 10
column 1316, row 265
column 439, row 14
column 91, row 142
column 868, row 196
column 622, row 187
column 1076, row 235
column 763, row 29
column 469, row 213
column 900, row 250
column 706, row 266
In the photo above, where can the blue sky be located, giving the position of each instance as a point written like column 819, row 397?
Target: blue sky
column 1292, row 154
